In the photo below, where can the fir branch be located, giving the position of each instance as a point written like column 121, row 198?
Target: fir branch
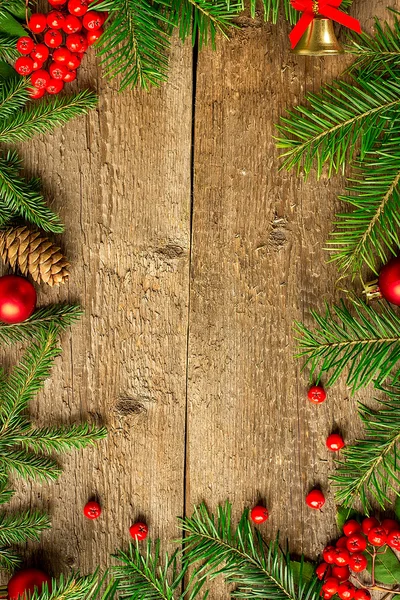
column 370, row 232
column 8, row 50
column 20, row 197
column 256, row 569
column 73, row 587
column 134, row 44
column 27, row 525
column 367, row 344
column 369, row 467
column 9, row 559
column 28, row 465
column 58, row 439
column 60, row 316
column 45, row 115
column 339, row 118
column 13, row 96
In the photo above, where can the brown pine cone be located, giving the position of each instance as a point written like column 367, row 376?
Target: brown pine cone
column 34, row 254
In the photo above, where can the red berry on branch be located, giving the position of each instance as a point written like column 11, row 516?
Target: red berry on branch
column 37, row 23
column 259, row 514
column 54, row 86
column 40, row 52
column 40, row 79
column 76, row 42
column 342, row 542
column 57, row 3
column 322, row 570
column 93, row 20
column 72, row 24
column 69, row 76
column 57, row 71
column 329, row 554
column 393, row 539
column 61, row 55
column 36, row 93
column 368, row 524
column 53, row 38
column 362, row 594
column 92, row 510
column 346, row 590
column 334, row 442
column 389, row 525
column 23, row 583
column 24, row 65
column 358, row 562
column 37, row 64
column 316, row 394
column 25, row 44
column 93, row 36
column 341, row 557
column 351, row 526
column 73, row 62
column 78, row 7
column 55, row 19
column 331, row 585
column 356, row 543
column 341, row 573
column 377, row 536
column 139, row 531
column 315, row 499
column 325, row 595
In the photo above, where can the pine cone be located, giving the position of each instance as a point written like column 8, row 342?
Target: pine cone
column 34, row 254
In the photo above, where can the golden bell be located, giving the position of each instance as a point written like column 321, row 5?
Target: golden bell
column 319, row 39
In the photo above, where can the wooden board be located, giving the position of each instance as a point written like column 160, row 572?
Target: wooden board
column 186, row 347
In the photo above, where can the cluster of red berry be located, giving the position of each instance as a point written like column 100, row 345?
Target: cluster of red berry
column 334, row 442
column 138, row 531
column 66, row 32
column 347, row 557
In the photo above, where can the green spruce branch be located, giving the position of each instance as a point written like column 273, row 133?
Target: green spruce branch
column 361, row 341
column 73, row 587
column 369, row 468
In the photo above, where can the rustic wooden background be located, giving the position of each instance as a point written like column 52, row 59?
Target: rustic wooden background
column 192, row 255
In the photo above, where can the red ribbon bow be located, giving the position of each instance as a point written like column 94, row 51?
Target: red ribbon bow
column 325, row 8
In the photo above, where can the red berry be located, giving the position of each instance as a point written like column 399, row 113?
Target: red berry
column 315, row 499
column 342, row 542
column 334, row 442
column 259, row 514
column 40, row 52
column 329, row 554
column 341, row 557
column 37, row 23
column 69, row 76
column 321, row 570
column 389, row 524
column 139, row 531
column 362, row 594
column 25, row 44
column 377, row 536
column 341, row 573
column 40, row 79
column 331, row 585
column 37, row 64
column 57, row 3
column 53, row 38
column 36, row 93
column 73, row 62
column 54, row 86
column 55, row 19
column 351, row 526
column 92, row 510
column 368, row 524
column 325, row 595
column 346, row 590
column 93, row 20
column 76, row 42
column 358, row 562
column 316, row 394
column 393, row 539
column 57, row 71
column 61, row 55
column 78, row 7
column 23, row 583
column 24, row 65
column 356, row 543
column 93, row 36
column 72, row 24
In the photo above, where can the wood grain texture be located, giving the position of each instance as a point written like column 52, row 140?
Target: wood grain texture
column 187, row 335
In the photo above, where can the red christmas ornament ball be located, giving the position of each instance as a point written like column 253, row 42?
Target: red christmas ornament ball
column 92, row 510
column 17, row 299
column 389, row 281
column 23, row 583
column 315, row 499
column 259, row 514
column 139, row 531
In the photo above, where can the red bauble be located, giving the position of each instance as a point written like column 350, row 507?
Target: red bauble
column 316, row 394
column 92, row 510
column 315, row 499
column 139, row 531
column 25, row 44
column 17, row 299
column 40, row 79
column 389, row 281
column 23, row 583
column 37, row 23
column 259, row 514
column 334, row 442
